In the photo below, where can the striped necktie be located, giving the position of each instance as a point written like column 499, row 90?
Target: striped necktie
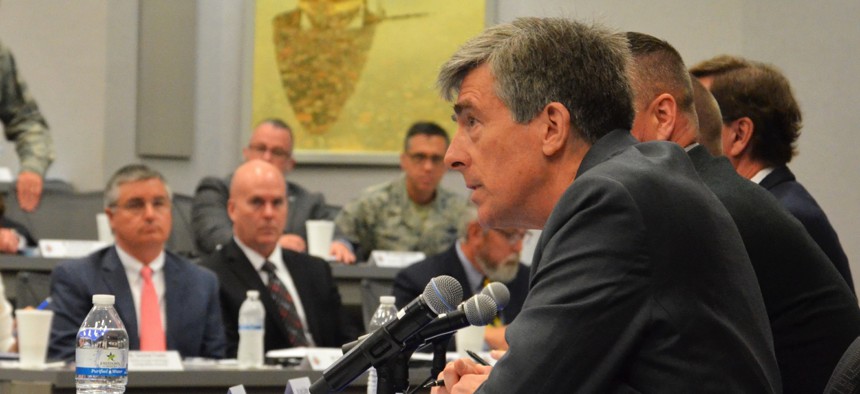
column 286, row 307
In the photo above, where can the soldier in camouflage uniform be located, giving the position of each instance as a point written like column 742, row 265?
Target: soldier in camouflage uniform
column 24, row 124
column 411, row 213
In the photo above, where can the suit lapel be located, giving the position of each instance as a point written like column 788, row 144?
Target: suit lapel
column 249, row 278
column 116, row 281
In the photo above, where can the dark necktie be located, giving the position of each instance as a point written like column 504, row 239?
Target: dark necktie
column 286, row 307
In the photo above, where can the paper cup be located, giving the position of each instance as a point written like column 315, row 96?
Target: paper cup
column 469, row 338
column 320, row 233
column 34, row 330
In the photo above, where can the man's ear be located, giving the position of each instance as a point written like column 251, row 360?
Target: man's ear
column 231, row 209
column 740, row 136
column 555, row 129
column 665, row 110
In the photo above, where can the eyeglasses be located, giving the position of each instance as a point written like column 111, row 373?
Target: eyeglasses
column 513, row 236
column 421, row 158
column 137, row 206
column 261, row 149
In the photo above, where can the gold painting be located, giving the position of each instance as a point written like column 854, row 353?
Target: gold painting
column 351, row 76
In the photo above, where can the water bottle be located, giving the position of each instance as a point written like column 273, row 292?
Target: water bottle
column 385, row 313
column 252, row 319
column 101, row 353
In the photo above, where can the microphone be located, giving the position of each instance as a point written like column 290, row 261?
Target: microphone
column 499, row 293
column 440, row 295
column 479, row 310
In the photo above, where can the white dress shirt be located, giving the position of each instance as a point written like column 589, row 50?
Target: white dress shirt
column 135, row 281
column 277, row 258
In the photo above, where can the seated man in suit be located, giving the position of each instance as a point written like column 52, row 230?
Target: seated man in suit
column 761, row 125
column 478, row 257
column 796, row 278
column 272, row 141
column 164, row 301
column 297, row 290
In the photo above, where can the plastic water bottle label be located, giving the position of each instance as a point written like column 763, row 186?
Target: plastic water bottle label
column 101, row 362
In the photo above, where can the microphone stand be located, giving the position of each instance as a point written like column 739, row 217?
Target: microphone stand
column 393, row 376
column 440, row 350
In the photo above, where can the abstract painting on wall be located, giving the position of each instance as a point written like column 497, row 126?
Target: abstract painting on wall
column 351, row 76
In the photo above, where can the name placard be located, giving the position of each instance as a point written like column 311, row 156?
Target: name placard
column 393, row 259
column 68, row 248
column 315, row 358
column 154, row 361
column 298, row 386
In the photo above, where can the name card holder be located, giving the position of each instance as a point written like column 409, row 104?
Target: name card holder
column 68, row 248
column 154, row 361
column 394, row 259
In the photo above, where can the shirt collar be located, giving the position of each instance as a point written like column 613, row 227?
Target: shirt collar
column 131, row 264
column 763, row 173
column 475, row 278
column 257, row 260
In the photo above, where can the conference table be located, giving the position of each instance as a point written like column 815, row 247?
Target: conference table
column 202, row 380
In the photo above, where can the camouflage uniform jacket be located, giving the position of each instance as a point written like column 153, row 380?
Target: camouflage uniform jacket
column 384, row 218
column 22, row 121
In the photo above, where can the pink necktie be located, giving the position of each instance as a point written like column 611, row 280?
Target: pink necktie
column 151, row 331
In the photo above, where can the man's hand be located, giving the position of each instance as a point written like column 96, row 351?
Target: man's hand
column 462, row 376
column 293, row 242
column 342, row 253
column 495, row 337
column 8, row 241
column 29, row 190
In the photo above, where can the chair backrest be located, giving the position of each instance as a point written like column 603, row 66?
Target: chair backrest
column 846, row 376
column 181, row 239
column 62, row 214
column 371, row 290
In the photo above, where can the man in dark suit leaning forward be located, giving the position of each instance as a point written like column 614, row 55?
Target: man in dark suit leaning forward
column 813, row 314
column 164, row 301
column 297, row 290
column 479, row 256
column 614, row 304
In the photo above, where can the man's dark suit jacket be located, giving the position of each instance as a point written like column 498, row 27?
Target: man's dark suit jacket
column 212, row 226
column 813, row 314
column 797, row 200
column 630, row 294
column 314, row 283
column 194, row 325
column 410, row 281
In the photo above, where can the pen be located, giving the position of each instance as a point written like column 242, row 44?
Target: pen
column 434, row 383
column 44, row 304
column 477, row 358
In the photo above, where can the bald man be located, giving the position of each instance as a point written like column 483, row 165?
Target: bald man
column 254, row 260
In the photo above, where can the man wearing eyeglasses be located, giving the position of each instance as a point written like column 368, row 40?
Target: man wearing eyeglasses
column 272, row 142
column 478, row 257
column 411, row 213
column 164, row 301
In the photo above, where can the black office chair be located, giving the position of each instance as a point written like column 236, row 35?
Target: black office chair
column 846, row 376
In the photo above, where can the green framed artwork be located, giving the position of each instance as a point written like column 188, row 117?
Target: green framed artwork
column 351, row 76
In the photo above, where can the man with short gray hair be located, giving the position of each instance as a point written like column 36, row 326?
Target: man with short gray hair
column 543, row 108
column 164, row 301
